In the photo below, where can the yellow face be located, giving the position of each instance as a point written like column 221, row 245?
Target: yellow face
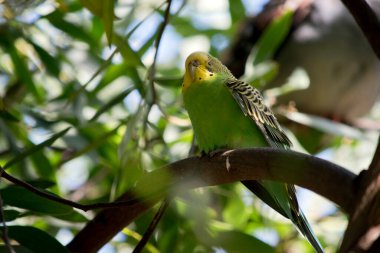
column 198, row 69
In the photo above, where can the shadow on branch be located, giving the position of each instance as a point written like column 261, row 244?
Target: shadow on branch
column 323, row 177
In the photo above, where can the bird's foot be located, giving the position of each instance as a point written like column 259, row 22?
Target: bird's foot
column 213, row 153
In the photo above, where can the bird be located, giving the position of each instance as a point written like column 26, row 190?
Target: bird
column 229, row 113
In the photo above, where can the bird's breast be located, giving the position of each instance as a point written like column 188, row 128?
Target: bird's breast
column 217, row 119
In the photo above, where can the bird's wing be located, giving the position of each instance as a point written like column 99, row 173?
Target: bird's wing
column 283, row 195
column 251, row 102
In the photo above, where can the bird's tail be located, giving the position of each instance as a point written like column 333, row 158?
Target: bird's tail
column 282, row 198
column 300, row 220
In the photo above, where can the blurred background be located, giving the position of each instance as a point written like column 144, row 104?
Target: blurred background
column 88, row 103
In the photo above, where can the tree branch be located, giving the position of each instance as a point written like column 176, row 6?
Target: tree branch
column 363, row 230
column 367, row 20
column 67, row 202
column 251, row 29
column 152, row 69
column 320, row 176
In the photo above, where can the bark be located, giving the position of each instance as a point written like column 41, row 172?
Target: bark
column 320, row 176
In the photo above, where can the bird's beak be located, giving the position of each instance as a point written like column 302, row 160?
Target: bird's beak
column 193, row 65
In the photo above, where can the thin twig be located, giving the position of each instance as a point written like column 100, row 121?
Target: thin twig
column 152, row 95
column 152, row 69
column 67, row 202
column 152, row 226
column 108, row 61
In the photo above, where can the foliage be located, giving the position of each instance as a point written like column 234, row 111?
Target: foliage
column 82, row 117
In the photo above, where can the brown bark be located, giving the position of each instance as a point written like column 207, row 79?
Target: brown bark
column 363, row 230
column 320, row 176
column 367, row 20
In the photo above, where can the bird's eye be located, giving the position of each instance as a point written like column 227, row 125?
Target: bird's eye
column 194, row 63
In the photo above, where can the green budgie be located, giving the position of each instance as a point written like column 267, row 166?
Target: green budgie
column 228, row 113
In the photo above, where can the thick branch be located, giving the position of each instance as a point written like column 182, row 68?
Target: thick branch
column 322, row 177
column 251, row 29
column 363, row 230
column 367, row 20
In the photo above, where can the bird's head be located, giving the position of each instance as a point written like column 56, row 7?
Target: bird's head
column 202, row 67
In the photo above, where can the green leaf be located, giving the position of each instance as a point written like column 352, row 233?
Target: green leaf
column 18, row 249
column 50, row 62
column 73, row 216
column 18, row 196
column 96, row 141
column 35, row 240
column 8, row 116
column 131, row 58
column 112, row 72
column 324, row 125
column 264, row 73
column 105, row 11
column 41, row 183
column 22, row 71
column 10, row 215
column 35, row 148
column 148, row 44
column 273, row 36
column 96, row 7
column 175, row 82
column 107, row 19
column 114, row 101
column 43, row 165
column 56, row 18
column 237, row 10
column 236, row 241
column 235, row 211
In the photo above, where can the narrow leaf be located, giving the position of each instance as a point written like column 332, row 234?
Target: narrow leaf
column 131, row 57
column 111, row 73
column 107, row 18
column 18, row 249
column 47, row 171
column 273, row 36
column 56, row 18
column 324, row 125
column 8, row 116
column 72, row 216
column 35, row 240
column 10, row 215
column 35, row 148
column 22, row 198
column 114, row 101
column 236, row 241
column 237, row 10
column 169, row 81
column 105, row 11
column 22, row 71
column 51, row 63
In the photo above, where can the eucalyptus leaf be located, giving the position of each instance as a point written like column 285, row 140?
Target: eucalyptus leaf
column 35, row 240
column 35, row 148
column 20, row 197
column 273, row 36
